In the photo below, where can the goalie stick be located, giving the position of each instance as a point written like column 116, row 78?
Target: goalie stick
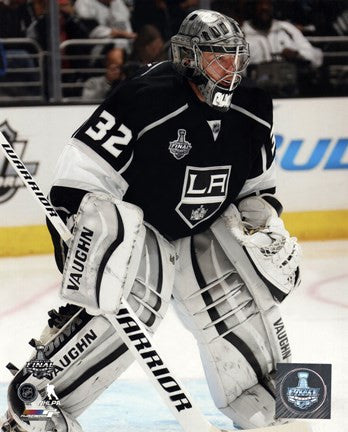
column 134, row 334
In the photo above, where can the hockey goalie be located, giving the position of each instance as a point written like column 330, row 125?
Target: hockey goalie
column 169, row 191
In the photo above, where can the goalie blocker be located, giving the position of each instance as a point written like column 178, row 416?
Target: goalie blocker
column 219, row 295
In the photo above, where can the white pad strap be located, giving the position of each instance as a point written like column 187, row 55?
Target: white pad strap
column 105, row 253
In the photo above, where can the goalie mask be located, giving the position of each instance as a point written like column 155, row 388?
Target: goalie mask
column 211, row 50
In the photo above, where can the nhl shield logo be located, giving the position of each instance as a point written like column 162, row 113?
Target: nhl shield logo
column 27, row 392
column 9, row 180
column 180, row 147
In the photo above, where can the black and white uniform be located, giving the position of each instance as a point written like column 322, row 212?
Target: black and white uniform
column 178, row 155
column 155, row 145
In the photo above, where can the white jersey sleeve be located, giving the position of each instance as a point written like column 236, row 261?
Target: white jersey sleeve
column 79, row 167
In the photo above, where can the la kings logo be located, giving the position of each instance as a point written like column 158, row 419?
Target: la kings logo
column 204, row 191
column 9, row 181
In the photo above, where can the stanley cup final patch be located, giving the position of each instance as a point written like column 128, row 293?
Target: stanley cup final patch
column 303, row 390
column 39, row 366
column 180, row 148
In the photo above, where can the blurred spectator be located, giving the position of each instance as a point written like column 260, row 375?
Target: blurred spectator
column 271, row 39
column 15, row 17
column 97, row 88
column 165, row 15
column 148, row 46
column 2, row 61
column 152, row 12
column 235, row 9
column 112, row 16
column 281, row 59
column 38, row 7
column 70, row 25
column 178, row 10
column 315, row 17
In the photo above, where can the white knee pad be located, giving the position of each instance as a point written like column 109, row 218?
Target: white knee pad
column 151, row 292
column 238, row 327
column 104, row 254
column 112, row 255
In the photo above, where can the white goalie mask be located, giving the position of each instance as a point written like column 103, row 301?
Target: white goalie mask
column 211, row 50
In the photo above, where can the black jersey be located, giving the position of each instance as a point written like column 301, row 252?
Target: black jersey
column 184, row 161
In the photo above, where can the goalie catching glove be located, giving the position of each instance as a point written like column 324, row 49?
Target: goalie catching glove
column 257, row 211
column 273, row 253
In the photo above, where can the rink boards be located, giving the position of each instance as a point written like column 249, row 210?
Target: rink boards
column 311, row 137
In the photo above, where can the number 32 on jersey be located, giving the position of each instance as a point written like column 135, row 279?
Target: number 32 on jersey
column 103, row 127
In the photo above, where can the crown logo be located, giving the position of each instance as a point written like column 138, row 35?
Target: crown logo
column 198, row 213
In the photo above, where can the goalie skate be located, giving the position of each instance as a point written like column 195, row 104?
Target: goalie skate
column 8, row 424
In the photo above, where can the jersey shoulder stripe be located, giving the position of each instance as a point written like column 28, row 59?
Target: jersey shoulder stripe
column 251, row 115
column 152, row 67
column 162, row 120
column 254, row 103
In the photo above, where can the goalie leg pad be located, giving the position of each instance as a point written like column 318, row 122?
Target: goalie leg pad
column 237, row 324
column 105, row 253
column 86, row 353
column 87, row 357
